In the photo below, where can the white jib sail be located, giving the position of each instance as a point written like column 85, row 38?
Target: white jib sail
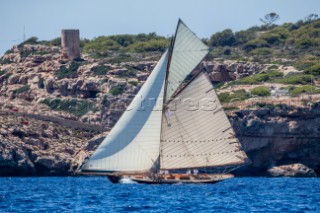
column 196, row 132
column 133, row 143
column 188, row 52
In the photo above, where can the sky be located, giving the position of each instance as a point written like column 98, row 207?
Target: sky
column 45, row 19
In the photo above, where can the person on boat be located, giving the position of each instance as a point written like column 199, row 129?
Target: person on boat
column 163, row 172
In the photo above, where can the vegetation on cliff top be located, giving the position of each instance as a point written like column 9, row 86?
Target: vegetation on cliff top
column 257, row 79
column 263, row 43
column 126, row 43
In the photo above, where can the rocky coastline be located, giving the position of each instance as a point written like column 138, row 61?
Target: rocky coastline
column 41, row 135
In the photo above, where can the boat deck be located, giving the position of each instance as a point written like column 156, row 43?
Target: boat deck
column 173, row 178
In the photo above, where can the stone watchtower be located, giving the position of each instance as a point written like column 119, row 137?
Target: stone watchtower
column 70, row 42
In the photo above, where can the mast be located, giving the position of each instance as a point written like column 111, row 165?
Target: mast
column 170, row 51
column 169, row 62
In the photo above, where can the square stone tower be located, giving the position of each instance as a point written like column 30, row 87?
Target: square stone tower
column 70, row 42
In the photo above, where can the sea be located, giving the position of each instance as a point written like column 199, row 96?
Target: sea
column 98, row 194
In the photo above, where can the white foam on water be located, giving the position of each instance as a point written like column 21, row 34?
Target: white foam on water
column 127, row 181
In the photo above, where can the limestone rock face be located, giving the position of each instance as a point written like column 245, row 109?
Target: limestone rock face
column 230, row 70
column 278, row 137
column 86, row 151
column 51, row 107
column 33, row 147
column 292, row 170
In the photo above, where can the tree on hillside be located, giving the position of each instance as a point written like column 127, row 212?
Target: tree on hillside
column 310, row 18
column 224, row 38
column 269, row 19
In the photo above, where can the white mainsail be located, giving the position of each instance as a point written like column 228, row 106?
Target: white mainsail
column 188, row 51
column 196, row 132
column 133, row 143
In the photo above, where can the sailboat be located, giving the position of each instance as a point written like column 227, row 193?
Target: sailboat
column 175, row 129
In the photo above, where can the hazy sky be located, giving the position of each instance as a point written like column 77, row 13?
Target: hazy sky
column 45, row 19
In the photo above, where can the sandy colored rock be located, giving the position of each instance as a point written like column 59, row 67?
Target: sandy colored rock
column 292, row 170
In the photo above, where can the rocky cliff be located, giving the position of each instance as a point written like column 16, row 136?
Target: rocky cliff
column 51, row 107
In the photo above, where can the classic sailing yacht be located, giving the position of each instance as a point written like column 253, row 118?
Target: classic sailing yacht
column 174, row 130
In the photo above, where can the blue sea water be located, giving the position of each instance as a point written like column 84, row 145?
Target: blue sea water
column 97, row 194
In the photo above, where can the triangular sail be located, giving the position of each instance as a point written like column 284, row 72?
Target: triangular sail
column 196, row 132
column 188, row 51
column 133, row 143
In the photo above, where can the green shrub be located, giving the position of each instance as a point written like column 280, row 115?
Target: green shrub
column 117, row 90
column 104, row 80
column 261, row 91
column 313, row 70
column 219, row 85
column 304, row 43
column 273, row 66
column 41, row 83
column 271, row 38
column 98, row 55
column 258, row 78
column 131, row 43
column 230, row 108
column 2, row 72
column 296, row 79
column 306, row 62
column 147, row 46
column 53, row 42
column 101, row 44
column 5, row 61
column 261, row 51
column 22, row 89
column 7, row 76
column 68, row 72
column 76, row 107
column 32, row 40
column 237, row 95
column 244, row 36
column 9, row 51
column 224, row 38
column 120, row 58
column 253, row 44
column 100, row 70
column 123, row 40
column 308, row 89
column 128, row 74
column 264, row 105
column 134, row 83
